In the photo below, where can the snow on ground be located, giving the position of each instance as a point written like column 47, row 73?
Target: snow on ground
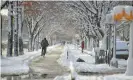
column 79, row 77
column 118, row 77
column 97, row 68
column 72, row 54
column 19, row 65
column 96, row 77
column 122, row 63
column 92, row 53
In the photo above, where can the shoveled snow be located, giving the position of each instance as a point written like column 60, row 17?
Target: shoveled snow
column 79, row 77
column 118, row 77
column 72, row 54
column 19, row 65
column 96, row 68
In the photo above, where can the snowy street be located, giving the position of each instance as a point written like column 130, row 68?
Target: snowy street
column 66, row 40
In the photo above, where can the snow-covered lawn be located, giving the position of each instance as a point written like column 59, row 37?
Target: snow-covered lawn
column 19, row 65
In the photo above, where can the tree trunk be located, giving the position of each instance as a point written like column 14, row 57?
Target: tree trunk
column 33, row 43
column 37, row 43
column 10, row 45
column 1, row 36
column 30, row 43
column 16, row 31
column 10, row 32
column 21, row 52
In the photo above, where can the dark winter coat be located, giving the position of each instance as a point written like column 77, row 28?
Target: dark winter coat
column 44, row 43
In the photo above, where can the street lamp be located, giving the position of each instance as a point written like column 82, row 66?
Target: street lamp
column 125, row 13
column 110, row 20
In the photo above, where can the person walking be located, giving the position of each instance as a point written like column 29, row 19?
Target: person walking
column 82, row 46
column 44, row 45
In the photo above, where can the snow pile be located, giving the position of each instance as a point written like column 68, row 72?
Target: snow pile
column 79, row 77
column 68, row 77
column 96, row 68
column 118, row 77
column 14, row 68
column 17, row 65
column 92, row 53
column 122, row 63
column 71, row 54
column 64, row 77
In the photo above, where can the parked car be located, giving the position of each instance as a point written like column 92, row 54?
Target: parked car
column 122, row 51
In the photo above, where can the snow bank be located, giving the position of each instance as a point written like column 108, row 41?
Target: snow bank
column 97, row 68
column 118, row 77
column 79, row 77
column 122, row 63
column 17, row 65
column 64, row 77
column 15, row 69
column 72, row 54
column 92, row 53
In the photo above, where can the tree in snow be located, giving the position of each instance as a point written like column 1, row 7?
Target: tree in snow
column 36, row 21
column 16, row 28
column 10, row 32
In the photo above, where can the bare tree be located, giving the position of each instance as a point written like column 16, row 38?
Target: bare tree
column 10, row 32
column 16, row 29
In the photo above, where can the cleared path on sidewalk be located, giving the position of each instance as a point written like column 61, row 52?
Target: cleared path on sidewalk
column 47, row 68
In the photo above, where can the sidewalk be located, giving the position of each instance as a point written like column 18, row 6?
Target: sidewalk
column 19, row 65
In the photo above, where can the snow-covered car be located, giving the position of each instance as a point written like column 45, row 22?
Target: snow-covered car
column 122, row 49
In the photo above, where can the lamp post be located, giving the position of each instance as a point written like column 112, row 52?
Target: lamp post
column 125, row 13
column 109, row 20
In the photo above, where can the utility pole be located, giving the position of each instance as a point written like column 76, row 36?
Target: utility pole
column 114, row 61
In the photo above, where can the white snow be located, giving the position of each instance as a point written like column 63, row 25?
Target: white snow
column 72, row 54
column 118, row 77
column 19, row 65
column 89, row 64
column 78, row 77
column 95, row 77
